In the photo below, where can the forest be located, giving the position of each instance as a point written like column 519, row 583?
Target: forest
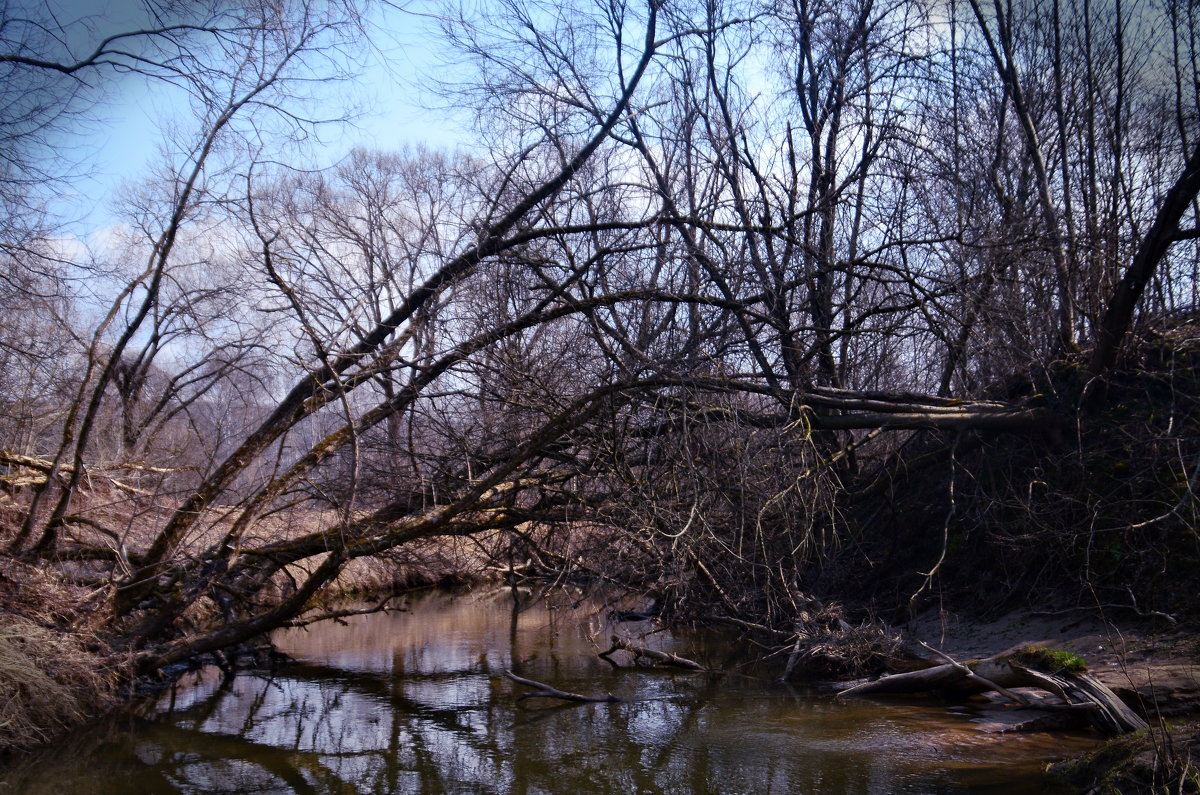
column 741, row 305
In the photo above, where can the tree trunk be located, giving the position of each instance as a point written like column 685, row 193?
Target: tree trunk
column 1162, row 233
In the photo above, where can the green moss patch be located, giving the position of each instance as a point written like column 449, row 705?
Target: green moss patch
column 1050, row 660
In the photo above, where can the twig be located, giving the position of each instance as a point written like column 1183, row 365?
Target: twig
column 793, row 657
column 1170, row 617
column 750, row 626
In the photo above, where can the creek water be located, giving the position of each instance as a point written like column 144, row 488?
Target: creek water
column 415, row 701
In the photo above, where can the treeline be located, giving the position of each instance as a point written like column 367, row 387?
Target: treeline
column 710, row 275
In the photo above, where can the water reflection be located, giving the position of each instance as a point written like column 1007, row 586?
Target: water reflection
column 415, row 702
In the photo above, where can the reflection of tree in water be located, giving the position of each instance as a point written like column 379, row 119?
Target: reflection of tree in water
column 324, row 729
column 441, row 718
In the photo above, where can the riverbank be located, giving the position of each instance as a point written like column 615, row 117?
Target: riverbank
column 1148, row 661
column 1165, row 759
column 1152, row 664
column 57, row 671
column 416, row 700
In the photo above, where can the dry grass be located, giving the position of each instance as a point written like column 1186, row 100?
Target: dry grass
column 39, row 595
column 54, row 672
column 50, row 681
column 434, row 561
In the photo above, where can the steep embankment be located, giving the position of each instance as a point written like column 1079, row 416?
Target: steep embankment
column 1098, row 509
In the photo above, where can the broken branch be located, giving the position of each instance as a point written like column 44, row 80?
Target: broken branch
column 657, row 657
column 546, row 691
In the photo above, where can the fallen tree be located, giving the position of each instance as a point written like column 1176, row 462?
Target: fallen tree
column 1025, row 665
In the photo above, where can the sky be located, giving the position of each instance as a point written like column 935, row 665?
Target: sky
column 124, row 140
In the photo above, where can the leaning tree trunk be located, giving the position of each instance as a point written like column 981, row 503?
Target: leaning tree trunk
column 1158, row 238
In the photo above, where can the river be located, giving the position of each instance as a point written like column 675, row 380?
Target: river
column 415, row 701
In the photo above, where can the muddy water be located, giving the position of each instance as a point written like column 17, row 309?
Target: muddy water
column 415, row 701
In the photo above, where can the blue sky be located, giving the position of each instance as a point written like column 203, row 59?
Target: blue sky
column 124, row 140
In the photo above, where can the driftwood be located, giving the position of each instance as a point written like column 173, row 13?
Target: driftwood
column 988, row 684
column 1109, row 714
column 543, row 690
column 1016, row 667
column 656, row 657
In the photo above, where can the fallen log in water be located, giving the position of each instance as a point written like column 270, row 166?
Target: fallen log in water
column 654, row 656
column 544, row 690
column 1022, row 666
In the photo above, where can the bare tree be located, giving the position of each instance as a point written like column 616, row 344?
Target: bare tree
column 715, row 265
column 273, row 42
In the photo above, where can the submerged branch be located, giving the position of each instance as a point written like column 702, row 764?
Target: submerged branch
column 543, row 690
